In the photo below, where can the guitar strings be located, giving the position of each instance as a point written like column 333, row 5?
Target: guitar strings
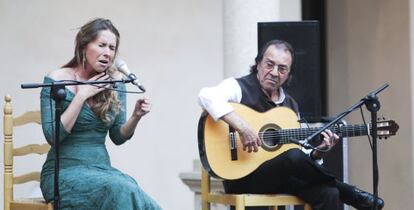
column 353, row 130
column 356, row 129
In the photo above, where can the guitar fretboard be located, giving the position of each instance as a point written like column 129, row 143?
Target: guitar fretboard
column 284, row 136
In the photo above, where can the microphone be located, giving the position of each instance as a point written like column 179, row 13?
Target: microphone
column 303, row 143
column 123, row 68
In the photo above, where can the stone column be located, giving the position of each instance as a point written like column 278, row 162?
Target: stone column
column 240, row 19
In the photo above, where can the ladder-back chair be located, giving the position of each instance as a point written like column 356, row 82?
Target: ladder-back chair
column 9, row 123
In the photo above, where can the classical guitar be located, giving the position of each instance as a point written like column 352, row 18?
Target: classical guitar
column 221, row 151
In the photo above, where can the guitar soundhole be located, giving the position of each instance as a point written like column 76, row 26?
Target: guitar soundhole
column 271, row 140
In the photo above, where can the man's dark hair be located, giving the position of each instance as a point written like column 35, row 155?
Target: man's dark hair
column 278, row 44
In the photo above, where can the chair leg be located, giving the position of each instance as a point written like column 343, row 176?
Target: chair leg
column 307, row 207
column 205, row 190
column 240, row 207
column 205, row 205
column 240, row 202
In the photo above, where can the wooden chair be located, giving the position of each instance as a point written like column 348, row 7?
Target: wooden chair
column 9, row 122
column 240, row 201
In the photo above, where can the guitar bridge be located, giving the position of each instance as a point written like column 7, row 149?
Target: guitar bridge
column 233, row 143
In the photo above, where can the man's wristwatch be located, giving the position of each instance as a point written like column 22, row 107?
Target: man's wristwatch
column 312, row 156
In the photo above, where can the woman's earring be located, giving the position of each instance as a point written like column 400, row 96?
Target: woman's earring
column 84, row 60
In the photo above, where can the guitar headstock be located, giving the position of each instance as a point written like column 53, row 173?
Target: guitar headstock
column 386, row 128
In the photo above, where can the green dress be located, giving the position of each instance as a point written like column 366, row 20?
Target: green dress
column 86, row 179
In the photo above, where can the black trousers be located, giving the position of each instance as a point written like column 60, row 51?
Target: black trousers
column 294, row 172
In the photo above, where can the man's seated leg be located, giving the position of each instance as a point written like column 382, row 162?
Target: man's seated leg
column 321, row 196
column 357, row 198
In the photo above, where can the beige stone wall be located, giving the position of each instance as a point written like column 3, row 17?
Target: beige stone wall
column 369, row 45
column 176, row 47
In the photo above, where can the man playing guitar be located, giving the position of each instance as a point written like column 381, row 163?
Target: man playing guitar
column 294, row 171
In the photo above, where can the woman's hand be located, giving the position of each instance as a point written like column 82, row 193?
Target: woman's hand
column 142, row 107
column 87, row 91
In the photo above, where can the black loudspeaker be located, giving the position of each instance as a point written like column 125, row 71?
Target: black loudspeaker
column 305, row 85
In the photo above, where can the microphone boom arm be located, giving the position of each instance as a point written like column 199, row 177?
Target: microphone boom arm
column 364, row 100
column 69, row 83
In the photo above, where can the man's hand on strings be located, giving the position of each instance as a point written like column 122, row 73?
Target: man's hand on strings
column 329, row 140
column 249, row 139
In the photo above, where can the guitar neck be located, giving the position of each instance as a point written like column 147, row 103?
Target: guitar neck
column 343, row 131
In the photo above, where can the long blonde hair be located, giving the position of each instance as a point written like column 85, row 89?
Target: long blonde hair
column 105, row 104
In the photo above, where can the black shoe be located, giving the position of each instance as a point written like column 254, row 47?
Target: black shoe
column 365, row 201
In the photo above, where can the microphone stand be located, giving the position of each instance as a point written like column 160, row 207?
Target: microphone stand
column 373, row 105
column 58, row 94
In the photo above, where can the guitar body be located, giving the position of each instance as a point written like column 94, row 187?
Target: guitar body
column 215, row 145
